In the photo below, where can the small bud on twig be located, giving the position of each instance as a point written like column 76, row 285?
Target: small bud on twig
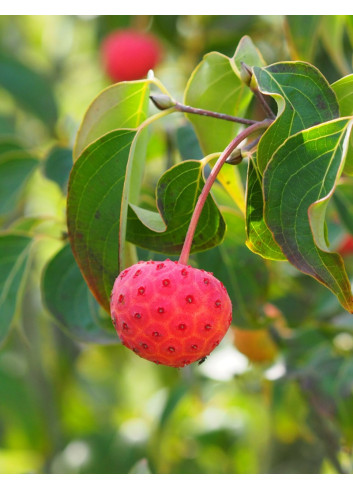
column 162, row 101
column 235, row 158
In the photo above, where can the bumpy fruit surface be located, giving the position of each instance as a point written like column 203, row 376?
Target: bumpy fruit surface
column 128, row 54
column 170, row 313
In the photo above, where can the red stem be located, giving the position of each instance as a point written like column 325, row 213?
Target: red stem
column 184, row 256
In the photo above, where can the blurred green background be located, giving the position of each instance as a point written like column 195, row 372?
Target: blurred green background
column 67, row 406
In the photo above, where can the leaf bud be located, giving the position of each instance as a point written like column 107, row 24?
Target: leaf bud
column 162, row 101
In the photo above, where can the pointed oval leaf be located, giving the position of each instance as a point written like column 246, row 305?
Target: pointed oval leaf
column 14, row 256
column 176, row 194
column 304, row 99
column 343, row 89
column 298, row 183
column 67, row 297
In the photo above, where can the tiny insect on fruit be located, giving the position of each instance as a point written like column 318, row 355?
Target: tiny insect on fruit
column 169, row 313
column 128, row 54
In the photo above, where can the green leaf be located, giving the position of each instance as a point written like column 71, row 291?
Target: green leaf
column 302, row 35
column 298, row 183
column 29, row 88
column 15, row 169
column 120, row 106
column 215, row 85
column 244, row 274
column 176, row 194
column 259, row 237
column 67, row 297
column 343, row 89
column 14, row 255
column 57, row 165
column 304, row 99
column 95, row 210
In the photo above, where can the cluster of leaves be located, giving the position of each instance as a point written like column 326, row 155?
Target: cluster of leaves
column 265, row 223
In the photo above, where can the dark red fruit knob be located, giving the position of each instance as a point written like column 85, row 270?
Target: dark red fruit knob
column 128, row 54
column 170, row 313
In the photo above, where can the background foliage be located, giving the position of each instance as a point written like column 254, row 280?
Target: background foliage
column 72, row 400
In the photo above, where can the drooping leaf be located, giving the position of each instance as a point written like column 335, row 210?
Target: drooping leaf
column 57, row 165
column 298, row 183
column 15, row 169
column 120, row 106
column 14, row 255
column 30, row 89
column 259, row 237
column 67, row 297
column 304, row 99
column 94, row 210
column 215, row 85
column 244, row 274
column 176, row 194
column 343, row 89
column 302, row 36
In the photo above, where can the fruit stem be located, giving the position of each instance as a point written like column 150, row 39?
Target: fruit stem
column 185, row 252
column 209, row 113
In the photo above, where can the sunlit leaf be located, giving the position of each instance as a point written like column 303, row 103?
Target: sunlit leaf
column 68, row 299
column 215, row 85
column 14, row 255
column 298, row 183
column 120, row 106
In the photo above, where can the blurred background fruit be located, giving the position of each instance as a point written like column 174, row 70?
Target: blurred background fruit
column 129, row 54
